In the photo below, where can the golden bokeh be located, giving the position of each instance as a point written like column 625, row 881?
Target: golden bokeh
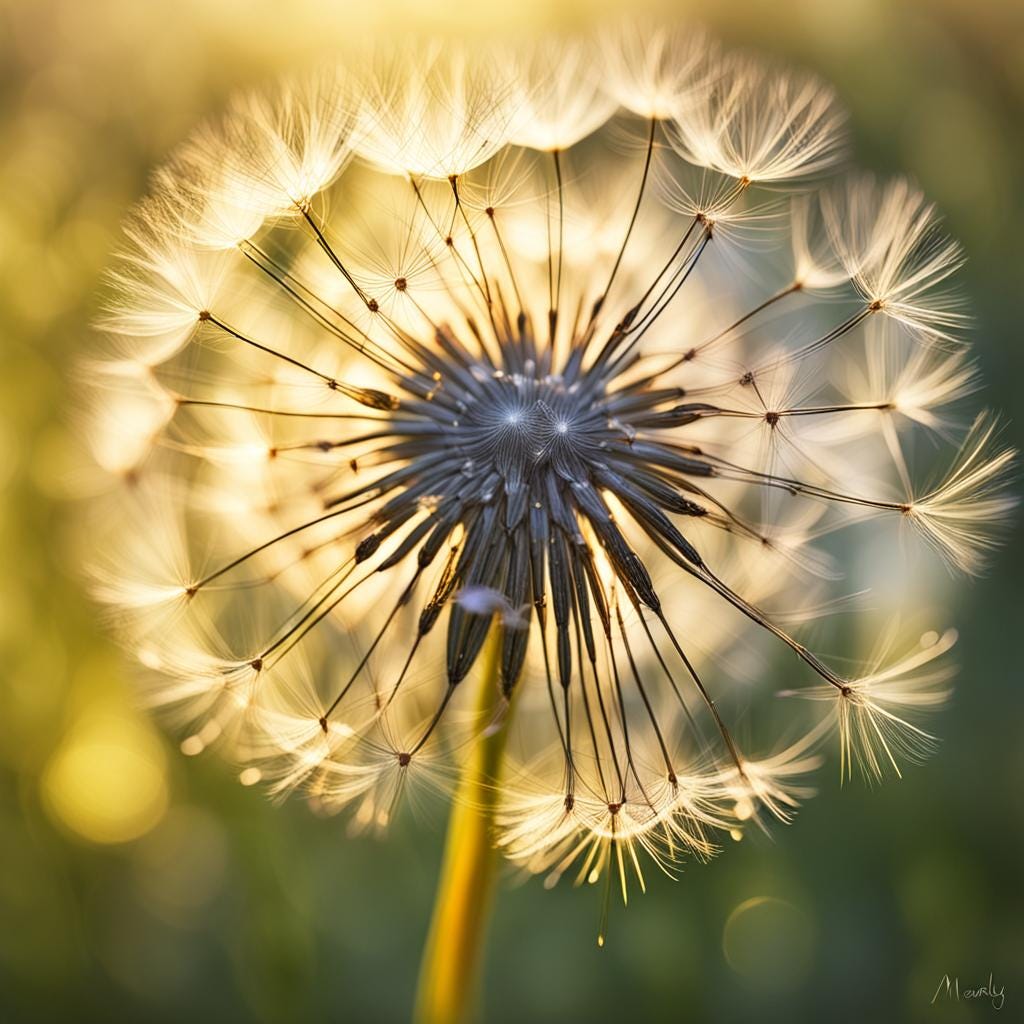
column 106, row 781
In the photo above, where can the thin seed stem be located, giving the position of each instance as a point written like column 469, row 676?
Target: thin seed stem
column 632, row 220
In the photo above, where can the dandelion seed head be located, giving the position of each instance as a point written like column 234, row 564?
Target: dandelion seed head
column 572, row 353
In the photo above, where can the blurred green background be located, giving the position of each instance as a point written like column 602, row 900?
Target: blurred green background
column 136, row 884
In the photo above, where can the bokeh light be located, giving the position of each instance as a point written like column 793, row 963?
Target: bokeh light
column 769, row 942
column 106, row 782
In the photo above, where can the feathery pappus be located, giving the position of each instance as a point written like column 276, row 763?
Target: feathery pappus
column 574, row 352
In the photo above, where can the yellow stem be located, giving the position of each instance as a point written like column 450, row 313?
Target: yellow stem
column 448, row 981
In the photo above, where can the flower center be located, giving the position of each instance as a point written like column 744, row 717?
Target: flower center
column 517, row 426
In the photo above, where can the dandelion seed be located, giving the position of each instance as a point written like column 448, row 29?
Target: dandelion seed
column 398, row 371
column 957, row 516
column 433, row 111
column 652, row 68
column 758, row 124
column 891, row 244
column 875, row 713
column 282, row 151
column 161, row 287
column 560, row 99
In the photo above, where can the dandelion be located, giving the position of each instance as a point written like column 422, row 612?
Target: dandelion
column 546, row 365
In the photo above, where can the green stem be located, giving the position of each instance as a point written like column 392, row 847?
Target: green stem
column 449, row 982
